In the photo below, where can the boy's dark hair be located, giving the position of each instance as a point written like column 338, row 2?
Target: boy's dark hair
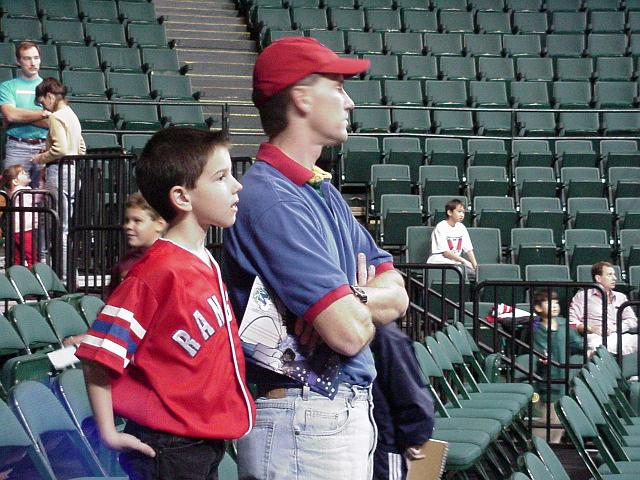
column 25, row 46
column 598, row 267
column 452, row 205
column 540, row 297
column 174, row 156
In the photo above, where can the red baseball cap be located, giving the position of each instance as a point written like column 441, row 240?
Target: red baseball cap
column 290, row 59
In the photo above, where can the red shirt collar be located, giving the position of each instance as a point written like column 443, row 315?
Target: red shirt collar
column 280, row 161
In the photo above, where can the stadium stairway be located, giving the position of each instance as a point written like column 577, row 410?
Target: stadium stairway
column 214, row 41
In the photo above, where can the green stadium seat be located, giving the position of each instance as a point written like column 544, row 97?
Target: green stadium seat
column 458, row 68
column 496, row 69
column 590, row 213
column 619, row 153
column 488, row 94
column 624, row 182
column 138, row 12
column 58, row 9
column 607, row 45
column 621, row 123
column 563, row 5
column 586, row 247
column 436, row 205
column 630, row 248
column 64, row 32
column 185, row 116
column 522, row 45
column 161, row 60
column 413, row 5
column 404, row 151
column 96, row 11
column 459, row 5
column 148, row 35
column 129, row 85
column 524, row 5
column 547, row 273
column 6, row 73
column 106, row 35
column 419, row 67
column 382, row 20
column 634, row 44
column 533, row 246
column 418, row 244
column 535, row 69
column 364, row 92
column 578, row 123
column 488, row 272
column 410, row 121
column 364, row 42
column 20, row 29
column 494, row 123
column 572, row 94
column 100, row 141
column 438, row 180
column 407, row 43
column 349, row 20
column 456, row 21
column 633, row 23
column 33, row 328
column 383, row 67
column 616, row 94
column 376, row 4
column 403, row 92
column 443, row 44
column 608, row 22
column 388, row 179
column 172, row 87
column 530, row 22
column 305, row 18
column 397, row 213
column 560, row 45
column 446, row 93
column 535, row 182
column 543, row 212
column 453, row 122
column 530, row 95
column 134, row 143
column 18, row 9
column 136, row 117
column 333, row 40
column 574, row 69
column 7, row 55
column 76, row 57
column 569, row 22
column 488, row 152
column 615, row 69
column 64, row 319
column 496, row 212
column 485, row 180
column 628, row 212
column 493, row 22
column 358, row 155
column 93, row 116
column 446, row 151
column 265, row 18
column 271, row 35
column 581, row 182
column 604, row 5
column 85, row 84
column 575, row 153
column 536, row 123
column 123, row 60
column 489, row 5
column 421, row 21
column 347, row 4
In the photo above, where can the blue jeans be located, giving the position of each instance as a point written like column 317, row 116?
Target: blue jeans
column 177, row 458
column 18, row 153
column 306, row 436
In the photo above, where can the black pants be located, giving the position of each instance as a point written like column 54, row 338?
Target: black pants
column 177, row 458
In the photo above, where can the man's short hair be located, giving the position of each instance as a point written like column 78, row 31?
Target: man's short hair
column 25, row 46
column 174, row 156
column 136, row 200
column 598, row 268
column 452, row 205
column 540, row 297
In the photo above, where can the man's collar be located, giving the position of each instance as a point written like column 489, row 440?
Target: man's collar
column 284, row 164
column 612, row 293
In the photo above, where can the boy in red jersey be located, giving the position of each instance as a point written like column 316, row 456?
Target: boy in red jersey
column 164, row 352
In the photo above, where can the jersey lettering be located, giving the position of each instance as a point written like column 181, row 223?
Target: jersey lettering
column 227, row 305
column 185, row 341
column 205, row 327
column 217, row 309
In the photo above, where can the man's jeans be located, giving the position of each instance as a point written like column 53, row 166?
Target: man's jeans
column 64, row 202
column 306, row 436
column 177, row 458
column 18, row 153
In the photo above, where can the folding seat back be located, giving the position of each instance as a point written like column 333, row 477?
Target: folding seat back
column 148, row 35
column 49, row 56
column 578, row 123
column 560, row 45
column 364, row 42
column 572, row 94
column 333, row 40
column 607, row 45
column 536, row 123
column 403, row 92
column 624, row 182
column 530, row 95
column 493, row 69
column 397, row 213
column 371, row 120
column 305, row 18
column 590, row 213
column 93, row 116
column 543, row 212
column 455, row 5
column 21, row 29
column 607, row 22
column 364, row 92
column 383, row 67
column 418, row 244
column 628, row 212
column 456, row 21
column 404, row 151
column 443, row 44
column 533, row 153
column 569, row 22
column 563, row 5
column 535, row 467
column 574, row 69
column 376, row 4
column 171, row 87
column 490, row 152
column 493, row 22
column 137, row 12
column 89, row 307
column 383, row 20
column 458, row 68
column 453, row 122
column 76, row 57
column 180, row 116
column 550, row 273
column 489, row 5
column 445, row 151
column 136, row 117
column 49, row 280
column 422, row 21
column 64, row 319
column 496, row 212
column 586, row 246
column 634, row 44
column 530, row 22
column 64, row 32
column 484, row 180
column 411, row 121
column 488, row 272
column 488, row 94
column 33, row 328
column 634, row 22
column 614, row 68
column 125, row 60
column 85, row 84
column 358, row 155
column 524, row 5
column 59, row 9
column 621, row 123
column 486, row 245
column 446, row 93
column 604, row 5
column 98, row 11
column 522, row 45
column 26, row 284
column 438, row 180
column 160, row 60
column 106, row 34
column 532, row 246
column 576, row 153
column 407, row 43
column 581, row 182
column 343, row 19
column 19, row 9
column 420, row 67
column 535, row 69
column 100, row 142
column 630, row 247
column 616, row 94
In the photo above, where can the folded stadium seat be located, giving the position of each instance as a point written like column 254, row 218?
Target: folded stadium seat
column 563, row 5
column 403, row 92
column 486, row 244
column 161, row 60
column 530, row 95
column 346, row 4
column 50, row 281
column 436, row 205
column 454, row 122
column 388, row 179
column 33, row 328
column 543, row 212
column 410, row 121
column 586, row 247
column 272, row 35
column 535, row 467
column 536, row 123
column 590, row 213
column 264, row 18
column 508, row 295
column 182, row 116
column 485, row 180
column 634, row 44
column 50, row 72
column 397, row 212
column 633, row 23
column 535, row 69
column 496, row 69
column 456, row 22
column 628, row 212
column 8, row 55
column 331, row 39
column 607, row 22
column 533, row 246
column 419, row 67
column 130, row 85
column 581, row 182
column 624, row 182
column 89, row 307
column 489, row 152
column 569, row 22
column 460, row 5
column 578, row 124
column 421, row 21
column 98, row 11
column 77, row 57
column 522, row 45
column 378, row 4
column 551, row 273
column 535, row 182
column 458, row 68
column 629, row 248
column 307, row 19
column 382, row 20
column 494, row 123
column 21, row 29
column 418, row 244
column 616, row 94
column 493, row 22
column 136, row 117
column 122, row 60
column 621, row 123
column 404, row 151
column 575, row 153
column 407, row 43
column 19, row 9
column 530, row 22
column 148, row 35
column 604, row 5
column 139, row 12
column 364, row 92
column 607, row 45
column 615, row 69
column 171, row 87
column 364, row 42
column 446, row 151
column 58, row 9
column 383, row 67
column 134, row 143
column 489, row 5
column 574, row 69
column 357, row 157
column 634, row 282
column 488, row 94
column 417, row 5
column 85, row 84
column 572, row 94
column 438, row 180
column 105, row 34
column 6, row 73
column 560, row 45
column 346, row 20
column 496, row 212
column 101, row 141
column 93, row 116
column 443, row 44
column 64, row 319
column 632, row 5
column 446, row 93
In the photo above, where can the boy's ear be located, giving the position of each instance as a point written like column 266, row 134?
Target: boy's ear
column 179, row 198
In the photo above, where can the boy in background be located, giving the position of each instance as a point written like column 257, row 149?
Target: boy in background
column 164, row 352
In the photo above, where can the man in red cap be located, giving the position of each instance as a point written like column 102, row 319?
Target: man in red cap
column 297, row 235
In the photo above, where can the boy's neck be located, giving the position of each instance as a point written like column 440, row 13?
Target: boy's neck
column 185, row 231
column 545, row 322
column 451, row 221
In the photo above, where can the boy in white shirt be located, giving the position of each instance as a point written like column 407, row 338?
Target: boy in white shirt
column 450, row 239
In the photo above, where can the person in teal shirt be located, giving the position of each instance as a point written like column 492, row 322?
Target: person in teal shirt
column 551, row 337
column 25, row 122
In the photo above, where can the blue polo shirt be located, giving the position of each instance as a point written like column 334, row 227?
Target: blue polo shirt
column 21, row 93
column 303, row 245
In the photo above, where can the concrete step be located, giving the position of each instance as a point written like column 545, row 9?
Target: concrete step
column 239, row 45
column 245, row 145
column 188, row 33
column 219, row 68
column 165, row 8
column 219, row 24
column 218, row 55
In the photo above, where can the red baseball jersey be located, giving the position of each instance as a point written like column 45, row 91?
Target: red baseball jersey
column 169, row 336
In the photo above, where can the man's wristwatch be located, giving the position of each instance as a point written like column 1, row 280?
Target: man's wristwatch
column 359, row 293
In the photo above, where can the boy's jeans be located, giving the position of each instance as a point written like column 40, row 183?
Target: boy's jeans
column 177, row 458
column 305, row 436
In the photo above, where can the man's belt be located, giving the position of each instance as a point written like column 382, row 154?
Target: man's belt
column 30, row 141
